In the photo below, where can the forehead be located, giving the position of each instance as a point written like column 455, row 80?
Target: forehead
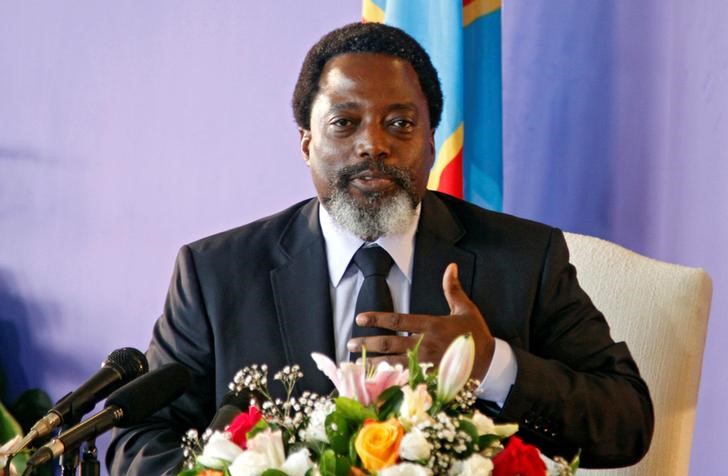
column 369, row 77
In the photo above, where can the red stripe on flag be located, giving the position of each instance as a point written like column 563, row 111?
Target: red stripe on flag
column 451, row 179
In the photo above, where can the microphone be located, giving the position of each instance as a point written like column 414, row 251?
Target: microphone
column 120, row 367
column 128, row 406
column 233, row 404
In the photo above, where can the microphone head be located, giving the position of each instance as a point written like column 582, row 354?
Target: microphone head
column 233, row 404
column 239, row 400
column 144, row 396
column 129, row 362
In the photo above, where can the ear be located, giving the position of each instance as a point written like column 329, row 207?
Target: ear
column 305, row 136
column 433, row 151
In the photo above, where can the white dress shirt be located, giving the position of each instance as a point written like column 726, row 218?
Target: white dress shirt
column 346, row 280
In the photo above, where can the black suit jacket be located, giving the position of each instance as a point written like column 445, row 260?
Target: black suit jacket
column 260, row 294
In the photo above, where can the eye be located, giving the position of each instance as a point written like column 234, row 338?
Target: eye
column 341, row 122
column 402, row 124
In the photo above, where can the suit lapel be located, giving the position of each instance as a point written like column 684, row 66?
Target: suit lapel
column 301, row 293
column 435, row 248
column 301, row 283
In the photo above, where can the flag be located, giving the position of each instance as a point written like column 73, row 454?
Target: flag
column 463, row 39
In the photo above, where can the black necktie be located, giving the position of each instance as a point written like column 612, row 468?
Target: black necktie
column 374, row 263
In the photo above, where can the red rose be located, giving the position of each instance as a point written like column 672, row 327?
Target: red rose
column 242, row 424
column 518, row 459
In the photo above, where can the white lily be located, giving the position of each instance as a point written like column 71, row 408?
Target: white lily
column 415, row 404
column 270, row 444
column 265, row 451
column 352, row 379
column 456, row 366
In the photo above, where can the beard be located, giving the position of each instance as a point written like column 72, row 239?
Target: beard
column 374, row 214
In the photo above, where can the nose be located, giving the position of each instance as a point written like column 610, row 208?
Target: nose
column 373, row 143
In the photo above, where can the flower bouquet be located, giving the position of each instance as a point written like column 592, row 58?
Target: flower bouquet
column 385, row 421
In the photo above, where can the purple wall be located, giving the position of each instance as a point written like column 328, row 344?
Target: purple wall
column 616, row 125
column 126, row 130
column 130, row 128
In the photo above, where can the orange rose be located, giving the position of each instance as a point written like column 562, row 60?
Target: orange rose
column 377, row 443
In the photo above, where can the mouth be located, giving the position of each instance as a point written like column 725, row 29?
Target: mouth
column 372, row 181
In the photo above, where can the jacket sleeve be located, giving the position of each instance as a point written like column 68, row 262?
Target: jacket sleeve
column 575, row 387
column 182, row 334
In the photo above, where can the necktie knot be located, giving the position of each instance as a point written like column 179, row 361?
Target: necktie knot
column 373, row 261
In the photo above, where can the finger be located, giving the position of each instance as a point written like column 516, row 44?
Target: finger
column 458, row 301
column 382, row 344
column 393, row 359
column 413, row 323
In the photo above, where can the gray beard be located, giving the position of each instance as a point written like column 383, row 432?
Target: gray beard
column 378, row 217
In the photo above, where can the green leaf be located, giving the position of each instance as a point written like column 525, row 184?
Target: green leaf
column 353, row 410
column 574, row 465
column 273, row 472
column 338, row 431
column 486, row 441
column 416, row 376
column 9, row 427
column 327, row 463
column 353, row 456
column 469, row 428
column 188, row 472
column 389, row 402
column 333, row 465
column 260, row 426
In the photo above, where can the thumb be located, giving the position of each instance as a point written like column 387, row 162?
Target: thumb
column 454, row 294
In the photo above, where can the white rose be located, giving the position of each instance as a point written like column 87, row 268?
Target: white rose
column 248, row 463
column 475, row 465
column 414, row 446
column 405, row 469
column 218, row 451
column 297, row 463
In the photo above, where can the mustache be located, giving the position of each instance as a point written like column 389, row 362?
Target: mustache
column 399, row 176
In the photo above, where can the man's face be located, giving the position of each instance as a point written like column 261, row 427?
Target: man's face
column 370, row 145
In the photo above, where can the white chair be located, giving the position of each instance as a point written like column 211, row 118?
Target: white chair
column 661, row 311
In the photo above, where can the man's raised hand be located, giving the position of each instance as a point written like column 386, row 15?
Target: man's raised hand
column 438, row 331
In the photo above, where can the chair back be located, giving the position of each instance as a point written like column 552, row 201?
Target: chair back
column 661, row 311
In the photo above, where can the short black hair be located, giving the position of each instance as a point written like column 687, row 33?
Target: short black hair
column 364, row 38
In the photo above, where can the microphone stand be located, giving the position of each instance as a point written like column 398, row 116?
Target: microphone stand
column 90, row 462
column 70, row 459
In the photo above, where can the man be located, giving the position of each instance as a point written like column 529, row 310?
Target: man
column 367, row 102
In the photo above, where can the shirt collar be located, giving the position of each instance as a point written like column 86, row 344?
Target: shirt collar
column 341, row 245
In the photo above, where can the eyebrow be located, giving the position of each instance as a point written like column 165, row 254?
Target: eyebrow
column 343, row 106
column 355, row 105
